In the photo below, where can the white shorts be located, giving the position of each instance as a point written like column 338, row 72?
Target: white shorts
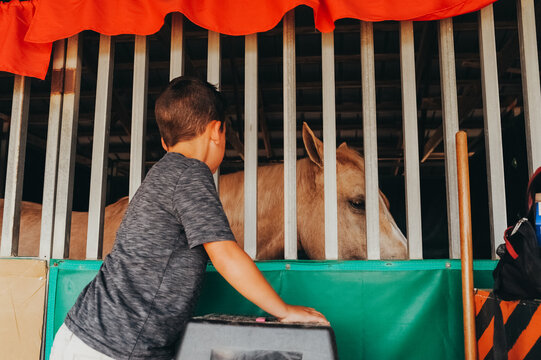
column 67, row 346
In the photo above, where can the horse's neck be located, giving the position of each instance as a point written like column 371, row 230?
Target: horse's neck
column 269, row 184
column 270, row 188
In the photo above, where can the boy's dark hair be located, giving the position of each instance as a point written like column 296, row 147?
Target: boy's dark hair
column 186, row 107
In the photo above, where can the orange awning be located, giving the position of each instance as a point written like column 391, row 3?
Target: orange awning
column 16, row 55
column 55, row 19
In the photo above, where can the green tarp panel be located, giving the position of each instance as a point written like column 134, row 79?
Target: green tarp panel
column 378, row 309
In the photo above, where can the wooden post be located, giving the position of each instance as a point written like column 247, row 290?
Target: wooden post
column 466, row 253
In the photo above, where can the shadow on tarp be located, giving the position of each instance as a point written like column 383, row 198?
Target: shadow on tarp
column 378, row 309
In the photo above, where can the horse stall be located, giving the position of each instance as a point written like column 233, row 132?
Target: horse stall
column 375, row 246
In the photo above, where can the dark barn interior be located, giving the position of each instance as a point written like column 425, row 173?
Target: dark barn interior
column 309, row 109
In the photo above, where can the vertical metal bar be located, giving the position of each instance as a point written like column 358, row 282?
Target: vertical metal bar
column 139, row 113
column 4, row 129
column 493, row 131
column 531, row 92
column 329, row 146
column 450, row 128
column 15, row 167
column 100, row 148
column 250, row 146
column 290, row 138
column 213, row 75
column 51, row 155
column 176, row 67
column 370, row 139
column 66, row 155
column 411, row 145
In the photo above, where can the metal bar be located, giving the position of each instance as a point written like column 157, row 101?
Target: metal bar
column 51, row 155
column 493, row 131
column 329, row 146
column 176, row 67
column 466, row 252
column 411, row 144
column 213, row 75
column 67, row 151
column 531, row 91
column 370, row 139
column 250, row 146
column 290, row 138
column 100, row 148
column 15, row 167
column 4, row 130
column 139, row 113
column 450, row 128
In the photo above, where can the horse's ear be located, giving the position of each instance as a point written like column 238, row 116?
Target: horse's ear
column 385, row 200
column 314, row 146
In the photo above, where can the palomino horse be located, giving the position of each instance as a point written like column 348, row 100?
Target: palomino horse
column 270, row 229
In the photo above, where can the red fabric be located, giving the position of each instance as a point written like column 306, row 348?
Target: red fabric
column 510, row 248
column 16, row 55
column 58, row 19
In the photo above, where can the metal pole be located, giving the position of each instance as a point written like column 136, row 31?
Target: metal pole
column 370, row 140
column 67, row 151
column 139, row 114
column 493, row 130
column 531, row 92
column 450, row 128
column 411, row 145
column 213, row 75
column 176, row 68
column 290, row 138
column 250, row 146
column 51, row 155
column 15, row 167
column 100, row 148
column 329, row 146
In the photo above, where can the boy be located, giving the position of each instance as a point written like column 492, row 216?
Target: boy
column 147, row 288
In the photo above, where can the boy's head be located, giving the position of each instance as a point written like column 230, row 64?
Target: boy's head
column 186, row 107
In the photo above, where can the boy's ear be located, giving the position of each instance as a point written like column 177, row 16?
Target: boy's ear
column 164, row 145
column 215, row 128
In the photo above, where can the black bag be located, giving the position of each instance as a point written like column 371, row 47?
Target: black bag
column 518, row 273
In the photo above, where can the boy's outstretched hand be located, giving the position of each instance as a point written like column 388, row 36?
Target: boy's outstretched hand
column 239, row 270
column 303, row 314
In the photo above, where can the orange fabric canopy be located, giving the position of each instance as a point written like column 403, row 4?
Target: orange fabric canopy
column 16, row 55
column 55, row 19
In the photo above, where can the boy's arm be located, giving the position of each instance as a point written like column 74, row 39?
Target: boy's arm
column 240, row 271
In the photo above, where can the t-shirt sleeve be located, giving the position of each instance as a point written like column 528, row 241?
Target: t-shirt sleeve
column 198, row 207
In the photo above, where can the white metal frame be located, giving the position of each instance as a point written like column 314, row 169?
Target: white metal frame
column 63, row 118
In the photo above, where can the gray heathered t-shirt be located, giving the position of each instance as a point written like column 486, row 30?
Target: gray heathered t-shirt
column 147, row 288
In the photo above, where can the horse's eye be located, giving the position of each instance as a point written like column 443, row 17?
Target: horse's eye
column 357, row 204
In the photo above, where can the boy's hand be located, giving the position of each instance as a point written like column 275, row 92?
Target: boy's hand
column 240, row 271
column 303, row 314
